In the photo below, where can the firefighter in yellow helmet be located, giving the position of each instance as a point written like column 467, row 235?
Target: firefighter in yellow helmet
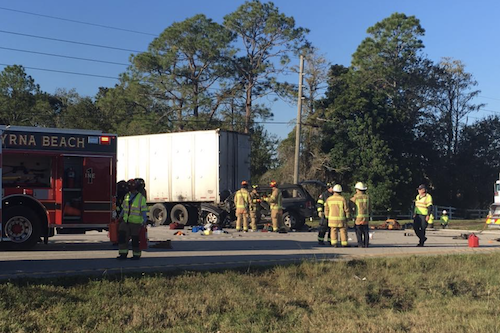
column 132, row 217
column 242, row 203
column 275, row 203
column 361, row 206
column 255, row 210
column 337, row 212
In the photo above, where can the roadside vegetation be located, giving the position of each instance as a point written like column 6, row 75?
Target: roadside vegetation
column 455, row 293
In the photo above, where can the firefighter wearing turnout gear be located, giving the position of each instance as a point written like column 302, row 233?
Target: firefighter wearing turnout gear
column 242, row 203
column 275, row 204
column 255, row 212
column 422, row 213
column 337, row 212
column 133, row 216
column 361, row 206
column 323, row 224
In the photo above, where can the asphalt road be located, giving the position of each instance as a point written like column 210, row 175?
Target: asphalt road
column 94, row 254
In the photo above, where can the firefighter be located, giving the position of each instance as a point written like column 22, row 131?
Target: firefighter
column 132, row 217
column 361, row 206
column 275, row 204
column 444, row 219
column 337, row 212
column 242, row 203
column 255, row 213
column 323, row 224
column 422, row 212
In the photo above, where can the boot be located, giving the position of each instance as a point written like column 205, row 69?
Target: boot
column 122, row 257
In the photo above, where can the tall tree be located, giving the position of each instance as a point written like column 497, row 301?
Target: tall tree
column 21, row 100
column 268, row 38
column 184, row 68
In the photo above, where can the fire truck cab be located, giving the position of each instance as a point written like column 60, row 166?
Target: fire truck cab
column 55, row 179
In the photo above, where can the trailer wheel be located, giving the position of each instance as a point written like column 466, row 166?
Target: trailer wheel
column 179, row 214
column 158, row 214
column 22, row 226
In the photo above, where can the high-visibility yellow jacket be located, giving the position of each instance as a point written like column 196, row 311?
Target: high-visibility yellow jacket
column 242, row 200
column 336, row 210
column 422, row 204
column 362, row 208
column 133, row 211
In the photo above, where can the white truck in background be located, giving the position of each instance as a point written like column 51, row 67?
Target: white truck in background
column 188, row 175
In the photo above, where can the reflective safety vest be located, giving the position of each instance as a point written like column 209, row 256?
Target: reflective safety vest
column 361, row 208
column 320, row 204
column 133, row 210
column 336, row 210
column 254, row 201
column 444, row 219
column 275, row 201
column 422, row 204
column 242, row 199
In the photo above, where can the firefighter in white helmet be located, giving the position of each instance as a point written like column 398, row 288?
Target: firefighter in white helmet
column 361, row 206
column 444, row 219
column 337, row 212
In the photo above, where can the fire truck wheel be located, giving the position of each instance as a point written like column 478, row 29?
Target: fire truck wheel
column 158, row 214
column 179, row 214
column 22, row 226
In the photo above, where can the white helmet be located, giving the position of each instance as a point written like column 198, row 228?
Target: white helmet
column 337, row 188
column 445, row 212
column 360, row 186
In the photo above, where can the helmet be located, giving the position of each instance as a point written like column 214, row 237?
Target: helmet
column 132, row 184
column 255, row 186
column 337, row 188
column 329, row 185
column 273, row 183
column 360, row 186
column 445, row 212
column 244, row 183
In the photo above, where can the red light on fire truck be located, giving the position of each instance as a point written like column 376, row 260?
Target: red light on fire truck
column 105, row 140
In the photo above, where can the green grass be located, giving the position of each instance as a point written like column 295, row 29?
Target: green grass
column 454, row 293
column 477, row 224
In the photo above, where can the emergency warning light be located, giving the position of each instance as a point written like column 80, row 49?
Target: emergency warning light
column 105, row 140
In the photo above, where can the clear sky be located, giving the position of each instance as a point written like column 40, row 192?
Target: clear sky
column 465, row 30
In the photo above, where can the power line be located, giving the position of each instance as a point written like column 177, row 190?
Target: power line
column 69, row 41
column 497, row 99
column 64, row 56
column 66, row 72
column 79, row 22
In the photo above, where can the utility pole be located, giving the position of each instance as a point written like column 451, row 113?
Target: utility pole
column 299, row 122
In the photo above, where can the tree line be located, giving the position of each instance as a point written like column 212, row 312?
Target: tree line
column 393, row 118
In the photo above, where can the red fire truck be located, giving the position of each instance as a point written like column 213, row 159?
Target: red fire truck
column 55, row 179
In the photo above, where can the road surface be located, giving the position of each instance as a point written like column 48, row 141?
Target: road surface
column 94, row 254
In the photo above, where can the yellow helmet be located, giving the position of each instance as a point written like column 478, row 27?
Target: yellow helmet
column 337, row 188
column 360, row 186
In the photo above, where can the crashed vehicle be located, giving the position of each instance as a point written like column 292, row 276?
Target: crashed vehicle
column 298, row 205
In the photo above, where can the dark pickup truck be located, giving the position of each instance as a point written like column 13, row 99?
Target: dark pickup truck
column 298, row 205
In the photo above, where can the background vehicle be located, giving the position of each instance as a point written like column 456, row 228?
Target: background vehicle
column 55, row 179
column 298, row 205
column 493, row 219
column 187, row 174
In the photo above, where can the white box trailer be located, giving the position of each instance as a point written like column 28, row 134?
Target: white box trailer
column 188, row 175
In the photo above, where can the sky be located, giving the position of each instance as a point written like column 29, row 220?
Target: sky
column 33, row 32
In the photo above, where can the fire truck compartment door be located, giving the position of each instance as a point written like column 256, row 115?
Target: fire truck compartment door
column 97, row 189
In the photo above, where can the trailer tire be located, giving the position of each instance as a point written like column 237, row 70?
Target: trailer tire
column 22, row 226
column 179, row 213
column 158, row 214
